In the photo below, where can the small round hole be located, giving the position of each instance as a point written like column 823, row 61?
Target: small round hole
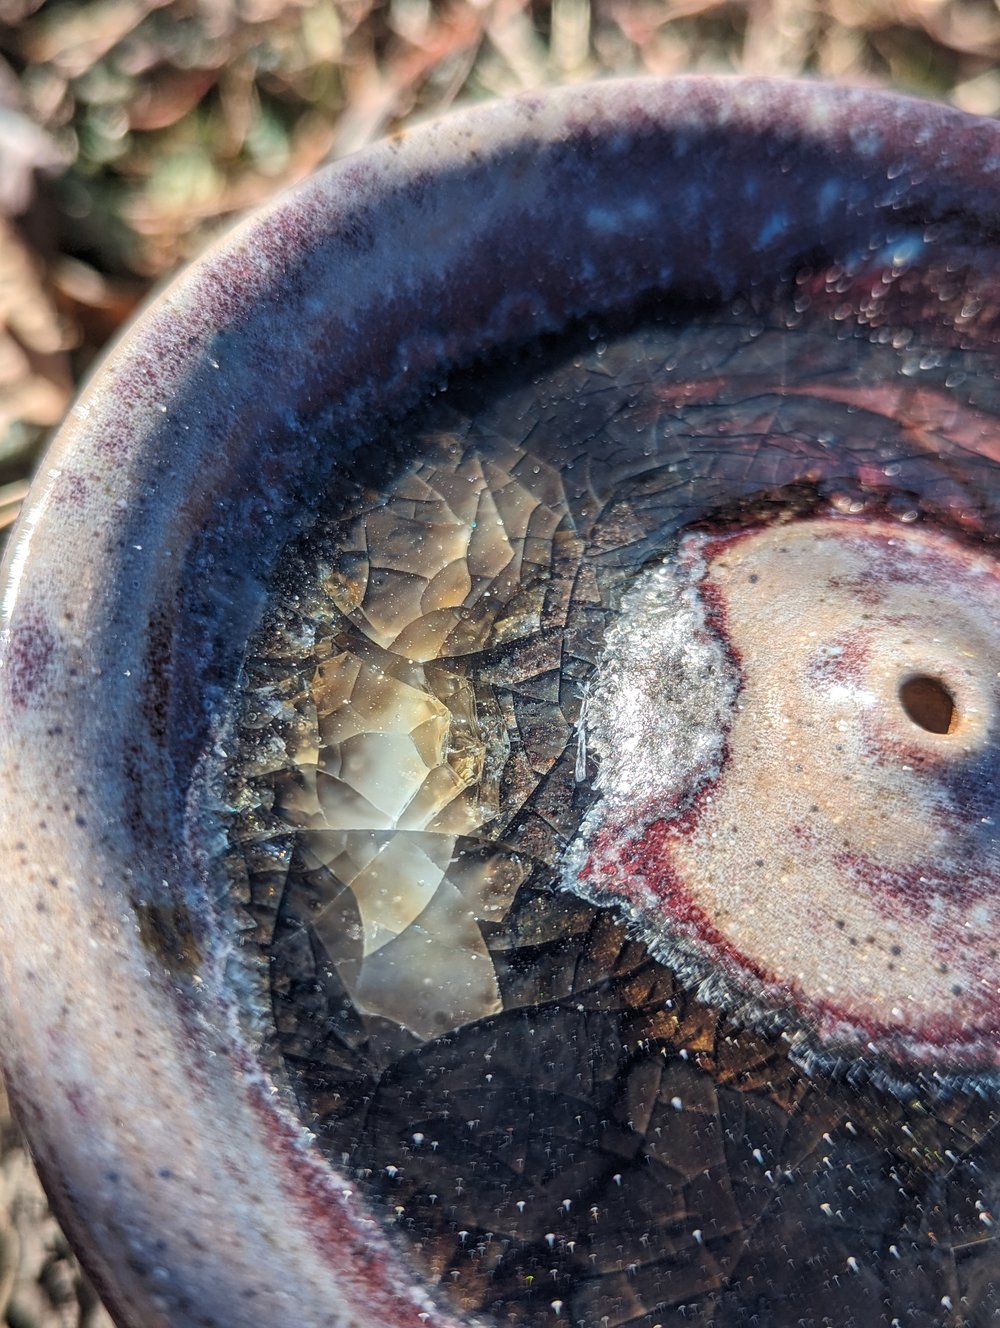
column 929, row 703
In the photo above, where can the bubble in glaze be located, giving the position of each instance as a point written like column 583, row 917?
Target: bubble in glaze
column 837, row 853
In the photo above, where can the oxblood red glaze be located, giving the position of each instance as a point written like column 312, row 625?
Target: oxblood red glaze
column 839, row 866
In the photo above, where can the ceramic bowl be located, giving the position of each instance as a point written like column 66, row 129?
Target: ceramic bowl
column 138, row 572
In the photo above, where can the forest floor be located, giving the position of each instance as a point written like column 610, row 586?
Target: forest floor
column 133, row 131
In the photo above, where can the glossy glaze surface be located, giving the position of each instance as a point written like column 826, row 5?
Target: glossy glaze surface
column 141, row 568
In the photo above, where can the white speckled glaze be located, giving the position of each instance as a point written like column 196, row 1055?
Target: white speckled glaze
column 133, row 582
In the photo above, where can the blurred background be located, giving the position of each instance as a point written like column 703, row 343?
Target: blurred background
column 133, row 131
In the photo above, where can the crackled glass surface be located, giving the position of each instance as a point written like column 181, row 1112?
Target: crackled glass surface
column 614, row 802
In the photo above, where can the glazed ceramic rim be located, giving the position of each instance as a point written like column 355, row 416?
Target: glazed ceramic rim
column 193, row 1195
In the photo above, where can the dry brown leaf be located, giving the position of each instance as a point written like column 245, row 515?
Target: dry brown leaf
column 378, row 95
column 24, row 149
column 75, row 41
column 35, row 378
column 92, row 302
column 11, row 497
column 166, row 95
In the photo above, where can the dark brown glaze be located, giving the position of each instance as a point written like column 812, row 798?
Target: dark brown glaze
column 735, row 1165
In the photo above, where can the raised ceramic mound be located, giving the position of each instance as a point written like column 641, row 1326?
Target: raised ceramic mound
column 134, row 581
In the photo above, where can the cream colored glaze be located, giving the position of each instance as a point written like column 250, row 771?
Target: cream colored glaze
column 827, row 774
column 840, row 850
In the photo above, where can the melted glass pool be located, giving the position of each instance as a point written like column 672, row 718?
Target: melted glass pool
column 487, row 800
